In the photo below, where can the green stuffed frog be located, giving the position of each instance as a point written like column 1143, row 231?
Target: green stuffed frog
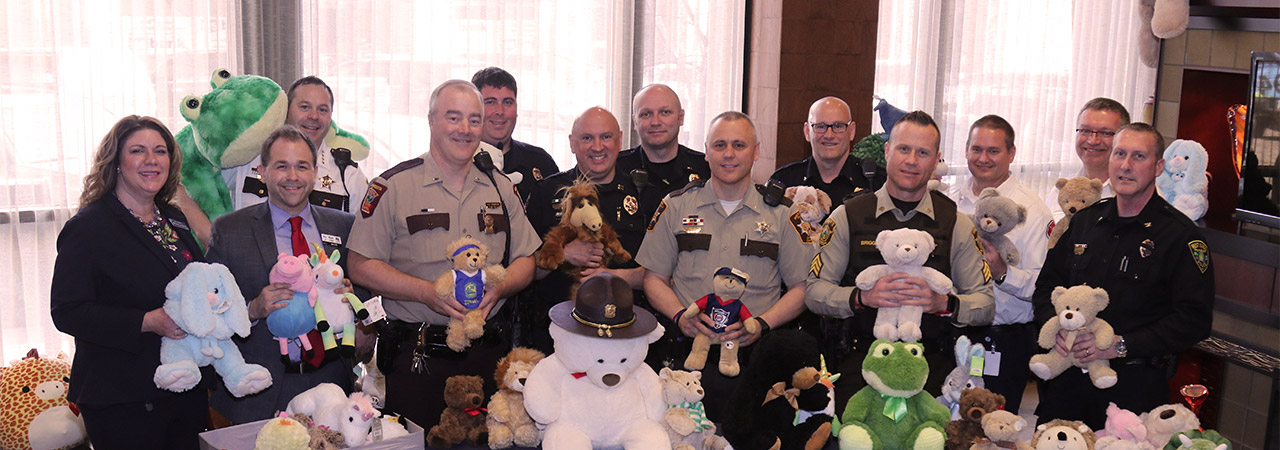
column 893, row 411
column 226, row 129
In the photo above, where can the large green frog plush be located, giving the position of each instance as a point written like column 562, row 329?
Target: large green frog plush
column 893, row 411
column 226, row 129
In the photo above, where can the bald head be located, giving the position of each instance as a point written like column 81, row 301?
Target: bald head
column 595, row 142
column 832, row 116
column 657, row 117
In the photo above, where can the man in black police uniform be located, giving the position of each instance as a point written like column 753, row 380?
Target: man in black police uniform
column 595, row 140
column 847, row 246
column 1153, row 263
column 830, row 168
column 498, row 88
column 660, row 164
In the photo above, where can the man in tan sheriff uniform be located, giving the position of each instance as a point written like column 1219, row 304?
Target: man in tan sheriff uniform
column 725, row 222
column 409, row 215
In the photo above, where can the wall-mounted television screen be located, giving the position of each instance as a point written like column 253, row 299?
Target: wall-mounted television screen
column 1260, row 174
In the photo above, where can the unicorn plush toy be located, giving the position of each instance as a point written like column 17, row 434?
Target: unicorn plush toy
column 334, row 311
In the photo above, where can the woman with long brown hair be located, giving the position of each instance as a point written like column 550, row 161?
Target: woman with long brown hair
column 115, row 257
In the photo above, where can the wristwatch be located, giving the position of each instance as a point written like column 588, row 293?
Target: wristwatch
column 764, row 326
column 1122, row 350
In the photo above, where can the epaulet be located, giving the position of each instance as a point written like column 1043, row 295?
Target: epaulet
column 692, row 184
column 415, row 162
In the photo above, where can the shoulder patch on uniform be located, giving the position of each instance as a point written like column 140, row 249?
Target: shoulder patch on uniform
column 1200, row 253
column 691, row 185
column 828, row 230
column 371, row 198
column 406, row 165
column 803, row 229
column 653, row 223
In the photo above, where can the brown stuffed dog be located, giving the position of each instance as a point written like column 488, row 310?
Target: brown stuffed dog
column 508, row 422
column 466, row 284
column 579, row 220
column 974, row 404
column 463, row 419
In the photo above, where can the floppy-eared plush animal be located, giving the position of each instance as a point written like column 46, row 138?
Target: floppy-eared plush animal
column 960, row 378
column 335, row 311
column 36, row 413
column 904, row 250
column 206, row 303
column 298, row 317
column 1074, row 195
column 507, row 421
column 1123, row 424
column 330, row 407
column 994, row 216
column 466, row 284
column 1077, row 311
column 579, row 220
column 1166, row 420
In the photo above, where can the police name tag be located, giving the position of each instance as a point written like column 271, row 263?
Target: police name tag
column 376, row 313
column 331, row 239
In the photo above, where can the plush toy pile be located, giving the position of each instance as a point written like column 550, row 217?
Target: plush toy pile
column 34, row 411
column 975, row 404
column 779, row 402
column 329, row 407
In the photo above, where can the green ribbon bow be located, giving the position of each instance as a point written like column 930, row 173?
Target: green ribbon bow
column 894, row 407
column 697, row 412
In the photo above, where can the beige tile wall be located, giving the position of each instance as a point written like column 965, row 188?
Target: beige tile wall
column 1225, row 49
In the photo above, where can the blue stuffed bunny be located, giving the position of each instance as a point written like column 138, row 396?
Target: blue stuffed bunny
column 206, row 303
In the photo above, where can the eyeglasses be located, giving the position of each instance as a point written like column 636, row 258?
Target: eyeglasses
column 1090, row 134
column 838, row 127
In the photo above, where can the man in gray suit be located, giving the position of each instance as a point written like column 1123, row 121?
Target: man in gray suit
column 248, row 242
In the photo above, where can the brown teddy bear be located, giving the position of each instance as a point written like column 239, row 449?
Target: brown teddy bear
column 466, row 284
column 1077, row 311
column 508, row 422
column 975, row 403
column 1073, row 195
column 463, row 419
column 580, row 220
column 1001, row 429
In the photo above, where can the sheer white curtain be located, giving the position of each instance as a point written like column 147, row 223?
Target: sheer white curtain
column 68, row 71
column 1033, row 63
column 383, row 58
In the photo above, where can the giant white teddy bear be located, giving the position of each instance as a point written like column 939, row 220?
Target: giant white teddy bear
column 596, row 391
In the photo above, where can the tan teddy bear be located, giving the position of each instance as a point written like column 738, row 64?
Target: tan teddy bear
column 508, row 422
column 1001, row 429
column 1077, row 309
column 686, row 419
column 1074, row 195
column 466, row 284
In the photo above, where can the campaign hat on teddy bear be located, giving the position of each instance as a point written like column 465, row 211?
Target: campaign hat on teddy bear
column 604, row 308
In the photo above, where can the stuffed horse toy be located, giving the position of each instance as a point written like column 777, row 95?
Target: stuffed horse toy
column 206, row 303
column 298, row 317
column 580, row 220
column 329, row 407
column 335, row 311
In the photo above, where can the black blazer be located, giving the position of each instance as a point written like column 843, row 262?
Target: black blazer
column 245, row 241
column 108, row 274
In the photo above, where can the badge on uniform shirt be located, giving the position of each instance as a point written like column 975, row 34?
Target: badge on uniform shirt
column 631, row 205
column 693, row 224
column 1146, row 247
column 1146, row 225
column 371, row 198
column 1200, row 253
column 537, row 174
column 326, row 181
column 653, row 223
column 762, row 229
column 331, row 239
column 828, row 230
column 493, row 205
column 1079, row 250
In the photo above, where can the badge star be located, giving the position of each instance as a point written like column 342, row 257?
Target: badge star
column 326, row 181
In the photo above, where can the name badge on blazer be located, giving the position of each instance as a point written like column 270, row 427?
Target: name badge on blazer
column 331, row 239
